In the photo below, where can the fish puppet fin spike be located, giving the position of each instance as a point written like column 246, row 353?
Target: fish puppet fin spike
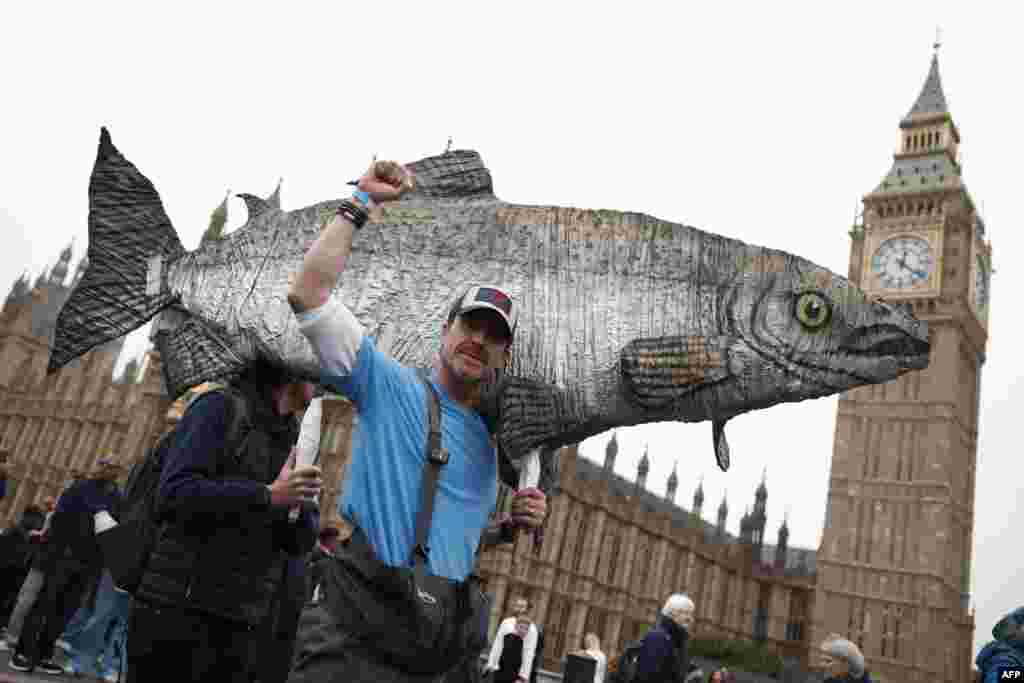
column 120, row 290
column 254, row 205
column 721, row 445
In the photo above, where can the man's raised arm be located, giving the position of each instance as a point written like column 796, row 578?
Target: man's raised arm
column 325, row 260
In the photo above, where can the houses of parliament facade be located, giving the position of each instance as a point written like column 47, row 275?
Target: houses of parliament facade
column 893, row 568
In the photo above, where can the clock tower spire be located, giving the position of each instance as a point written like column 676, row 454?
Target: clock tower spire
column 895, row 557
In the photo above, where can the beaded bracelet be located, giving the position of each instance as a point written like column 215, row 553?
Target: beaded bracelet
column 354, row 213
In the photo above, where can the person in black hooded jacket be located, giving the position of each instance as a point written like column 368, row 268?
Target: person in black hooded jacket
column 225, row 531
column 664, row 655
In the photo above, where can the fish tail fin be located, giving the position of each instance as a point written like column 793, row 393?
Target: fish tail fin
column 130, row 235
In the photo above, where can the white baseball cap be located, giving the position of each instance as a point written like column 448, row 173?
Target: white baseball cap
column 490, row 297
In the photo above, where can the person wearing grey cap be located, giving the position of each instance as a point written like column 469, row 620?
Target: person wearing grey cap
column 422, row 478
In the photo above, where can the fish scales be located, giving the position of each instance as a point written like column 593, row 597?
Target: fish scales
column 624, row 318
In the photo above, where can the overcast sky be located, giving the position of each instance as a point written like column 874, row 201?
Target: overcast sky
column 764, row 122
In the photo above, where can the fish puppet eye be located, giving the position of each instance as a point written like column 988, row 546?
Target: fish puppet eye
column 813, row 311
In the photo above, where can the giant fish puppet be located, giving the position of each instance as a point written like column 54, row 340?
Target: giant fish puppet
column 624, row 319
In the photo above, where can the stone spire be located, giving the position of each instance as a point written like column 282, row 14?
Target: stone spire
column 932, row 101
column 20, row 288
column 673, row 484
column 83, row 265
column 762, row 490
column 781, row 546
column 698, row 497
column 641, row 471
column 723, row 512
column 60, row 270
column 610, row 452
column 758, row 518
column 745, row 527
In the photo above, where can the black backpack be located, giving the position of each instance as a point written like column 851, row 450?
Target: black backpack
column 626, row 664
column 127, row 546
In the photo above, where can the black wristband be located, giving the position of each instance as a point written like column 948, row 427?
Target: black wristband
column 354, row 213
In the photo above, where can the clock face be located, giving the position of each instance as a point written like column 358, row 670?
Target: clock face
column 903, row 262
column 980, row 285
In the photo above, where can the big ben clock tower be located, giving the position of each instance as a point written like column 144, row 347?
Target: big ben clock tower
column 895, row 558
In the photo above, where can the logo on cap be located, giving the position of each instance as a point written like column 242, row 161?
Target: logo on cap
column 495, row 297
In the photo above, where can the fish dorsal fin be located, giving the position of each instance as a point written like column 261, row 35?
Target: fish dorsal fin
column 458, row 174
column 254, row 205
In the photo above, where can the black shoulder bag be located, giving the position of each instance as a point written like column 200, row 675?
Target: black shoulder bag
column 420, row 623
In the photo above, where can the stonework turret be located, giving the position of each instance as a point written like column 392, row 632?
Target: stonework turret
column 20, row 288
column 758, row 517
column 723, row 513
column 610, row 452
column 745, row 527
column 673, row 484
column 698, row 498
column 83, row 265
column 781, row 546
column 642, row 469
column 60, row 271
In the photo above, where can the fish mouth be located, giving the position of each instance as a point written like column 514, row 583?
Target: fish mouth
column 887, row 340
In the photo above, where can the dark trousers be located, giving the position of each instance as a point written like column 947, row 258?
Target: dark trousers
column 326, row 653
column 274, row 648
column 468, row 671
column 65, row 585
column 11, row 578
column 167, row 643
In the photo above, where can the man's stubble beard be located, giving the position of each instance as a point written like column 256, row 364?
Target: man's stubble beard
column 467, row 380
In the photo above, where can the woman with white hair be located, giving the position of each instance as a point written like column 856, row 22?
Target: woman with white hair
column 840, row 661
column 663, row 654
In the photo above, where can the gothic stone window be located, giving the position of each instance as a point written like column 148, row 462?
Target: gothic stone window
column 556, row 625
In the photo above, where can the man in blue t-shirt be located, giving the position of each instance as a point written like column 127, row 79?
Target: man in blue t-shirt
column 383, row 479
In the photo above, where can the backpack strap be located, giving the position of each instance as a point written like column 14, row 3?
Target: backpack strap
column 437, row 457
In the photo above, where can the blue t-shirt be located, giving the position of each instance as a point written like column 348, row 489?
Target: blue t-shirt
column 382, row 483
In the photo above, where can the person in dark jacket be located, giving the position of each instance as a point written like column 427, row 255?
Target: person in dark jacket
column 1006, row 651
column 33, row 583
column 224, row 534
column 71, row 564
column 664, row 657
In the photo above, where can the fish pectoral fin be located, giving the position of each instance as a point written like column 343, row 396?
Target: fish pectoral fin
column 721, row 445
column 658, row 372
